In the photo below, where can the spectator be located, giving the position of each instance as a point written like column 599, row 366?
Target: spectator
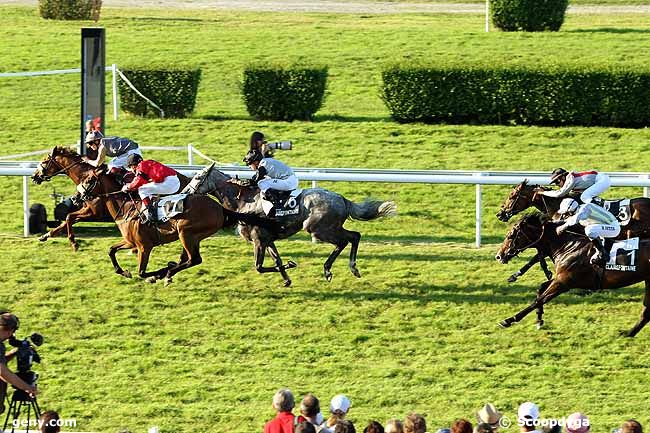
column 443, row 430
column 305, row 427
column 49, row 422
column 374, row 427
column 483, row 428
column 577, row 423
column 527, row 417
column 461, row 426
column 394, row 426
column 631, row 426
column 415, row 423
column 339, row 407
column 555, row 428
column 344, row 426
column 310, row 410
column 489, row 415
column 284, row 421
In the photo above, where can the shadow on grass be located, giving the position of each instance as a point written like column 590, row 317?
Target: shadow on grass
column 350, row 119
column 609, row 30
column 172, row 19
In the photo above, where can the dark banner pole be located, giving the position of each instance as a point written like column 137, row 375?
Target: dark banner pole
column 93, row 77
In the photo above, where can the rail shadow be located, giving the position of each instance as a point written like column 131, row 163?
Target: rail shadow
column 610, row 30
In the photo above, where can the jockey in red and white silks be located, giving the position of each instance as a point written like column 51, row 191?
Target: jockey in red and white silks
column 151, row 178
column 591, row 183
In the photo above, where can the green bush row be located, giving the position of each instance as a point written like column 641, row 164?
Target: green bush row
column 528, row 15
column 173, row 90
column 70, row 9
column 284, row 92
column 517, row 95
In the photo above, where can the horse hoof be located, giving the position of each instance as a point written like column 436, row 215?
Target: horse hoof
column 506, row 323
column 168, row 281
column 539, row 325
column 75, row 247
column 626, row 334
column 151, row 280
column 172, row 264
column 328, row 275
column 44, row 237
column 126, row 273
column 355, row 272
column 287, row 283
column 512, row 278
column 291, row 264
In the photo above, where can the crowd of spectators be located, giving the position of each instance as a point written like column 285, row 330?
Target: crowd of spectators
column 488, row 419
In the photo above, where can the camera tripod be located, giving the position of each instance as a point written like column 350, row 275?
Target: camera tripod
column 21, row 399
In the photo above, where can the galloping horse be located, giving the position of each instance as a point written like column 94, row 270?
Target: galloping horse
column 572, row 269
column 69, row 162
column 322, row 214
column 524, row 196
column 202, row 217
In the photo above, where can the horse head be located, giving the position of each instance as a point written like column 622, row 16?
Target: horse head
column 520, row 198
column 96, row 183
column 60, row 160
column 526, row 233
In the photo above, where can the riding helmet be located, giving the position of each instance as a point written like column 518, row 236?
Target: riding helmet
column 557, row 174
column 252, row 156
column 93, row 135
column 133, row 159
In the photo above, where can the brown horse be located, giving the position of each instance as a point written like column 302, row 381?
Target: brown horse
column 66, row 161
column 202, row 217
column 571, row 253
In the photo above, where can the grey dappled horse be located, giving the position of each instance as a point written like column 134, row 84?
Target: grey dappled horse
column 322, row 214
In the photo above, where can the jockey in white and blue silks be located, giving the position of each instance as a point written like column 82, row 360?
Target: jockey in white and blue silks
column 271, row 174
column 590, row 183
column 599, row 224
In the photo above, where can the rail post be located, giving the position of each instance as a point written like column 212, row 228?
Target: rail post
column 190, row 154
column 645, row 188
column 479, row 203
column 115, row 98
column 26, row 206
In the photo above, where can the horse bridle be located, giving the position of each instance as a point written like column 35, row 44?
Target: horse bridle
column 63, row 169
column 527, row 239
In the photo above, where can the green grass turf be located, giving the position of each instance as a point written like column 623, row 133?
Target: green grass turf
column 417, row 332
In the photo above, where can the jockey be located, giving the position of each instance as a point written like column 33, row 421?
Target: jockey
column 601, row 227
column 271, row 175
column 117, row 148
column 151, row 178
column 591, row 183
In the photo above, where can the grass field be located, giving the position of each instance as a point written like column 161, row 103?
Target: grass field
column 417, row 332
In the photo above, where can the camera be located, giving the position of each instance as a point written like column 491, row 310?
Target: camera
column 26, row 355
column 279, row 145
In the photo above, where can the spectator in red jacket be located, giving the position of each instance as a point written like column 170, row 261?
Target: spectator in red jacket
column 151, row 178
column 284, row 421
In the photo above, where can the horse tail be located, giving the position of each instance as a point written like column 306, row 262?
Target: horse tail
column 371, row 209
column 232, row 218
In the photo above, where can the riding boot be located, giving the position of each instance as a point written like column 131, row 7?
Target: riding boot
column 271, row 197
column 148, row 211
column 600, row 257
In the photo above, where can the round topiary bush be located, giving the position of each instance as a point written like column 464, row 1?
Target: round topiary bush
column 528, row 15
column 70, row 9
column 284, row 92
column 173, row 89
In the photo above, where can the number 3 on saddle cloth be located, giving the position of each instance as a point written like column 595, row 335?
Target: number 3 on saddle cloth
column 623, row 255
column 277, row 203
column 619, row 208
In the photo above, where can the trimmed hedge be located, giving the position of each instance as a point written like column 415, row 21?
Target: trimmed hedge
column 528, row 15
column 284, row 93
column 173, row 90
column 517, row 96
column 70, row 9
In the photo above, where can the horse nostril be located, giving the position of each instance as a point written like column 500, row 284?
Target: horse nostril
column 498, row 257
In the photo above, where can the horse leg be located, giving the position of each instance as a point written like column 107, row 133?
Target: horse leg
column 544, row 266
column 111, row 253
column 70, row 219
column 192, row 247
column 552, row 290
column 540, row 308
column 259, row 249
column 645, row 313
column 340, row 238
column 273, row 251
column 144, row 252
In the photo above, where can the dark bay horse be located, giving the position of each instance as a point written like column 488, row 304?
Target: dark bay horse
column 202, row 217
column 69, row 162
column 571, row 253
column 322, row 214
column 525, row 196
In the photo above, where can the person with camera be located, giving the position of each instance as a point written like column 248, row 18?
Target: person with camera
column 8, row 326
column 273, row 177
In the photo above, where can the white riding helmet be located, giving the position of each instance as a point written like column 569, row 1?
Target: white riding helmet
column 93, row 135
column 568, row 205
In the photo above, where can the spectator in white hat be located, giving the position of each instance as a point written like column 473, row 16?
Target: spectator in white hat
column 577, row 423
column 339, row 407
column 394, row 426
column 527, row 415
column 489, row 415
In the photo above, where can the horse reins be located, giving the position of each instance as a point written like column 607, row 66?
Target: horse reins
column 63, row 169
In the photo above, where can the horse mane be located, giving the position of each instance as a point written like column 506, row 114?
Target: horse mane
column 534, row 217
column 66, row 151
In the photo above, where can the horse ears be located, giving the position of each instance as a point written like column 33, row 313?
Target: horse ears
column 525, row 182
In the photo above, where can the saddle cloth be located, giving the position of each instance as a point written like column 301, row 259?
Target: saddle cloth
column 623, row 255
column 169, row 206
column 620, row 209
column 289, row 207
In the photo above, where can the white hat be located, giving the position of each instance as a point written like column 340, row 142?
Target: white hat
column 489, row 414
column 340, row 403
column 528, row 411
